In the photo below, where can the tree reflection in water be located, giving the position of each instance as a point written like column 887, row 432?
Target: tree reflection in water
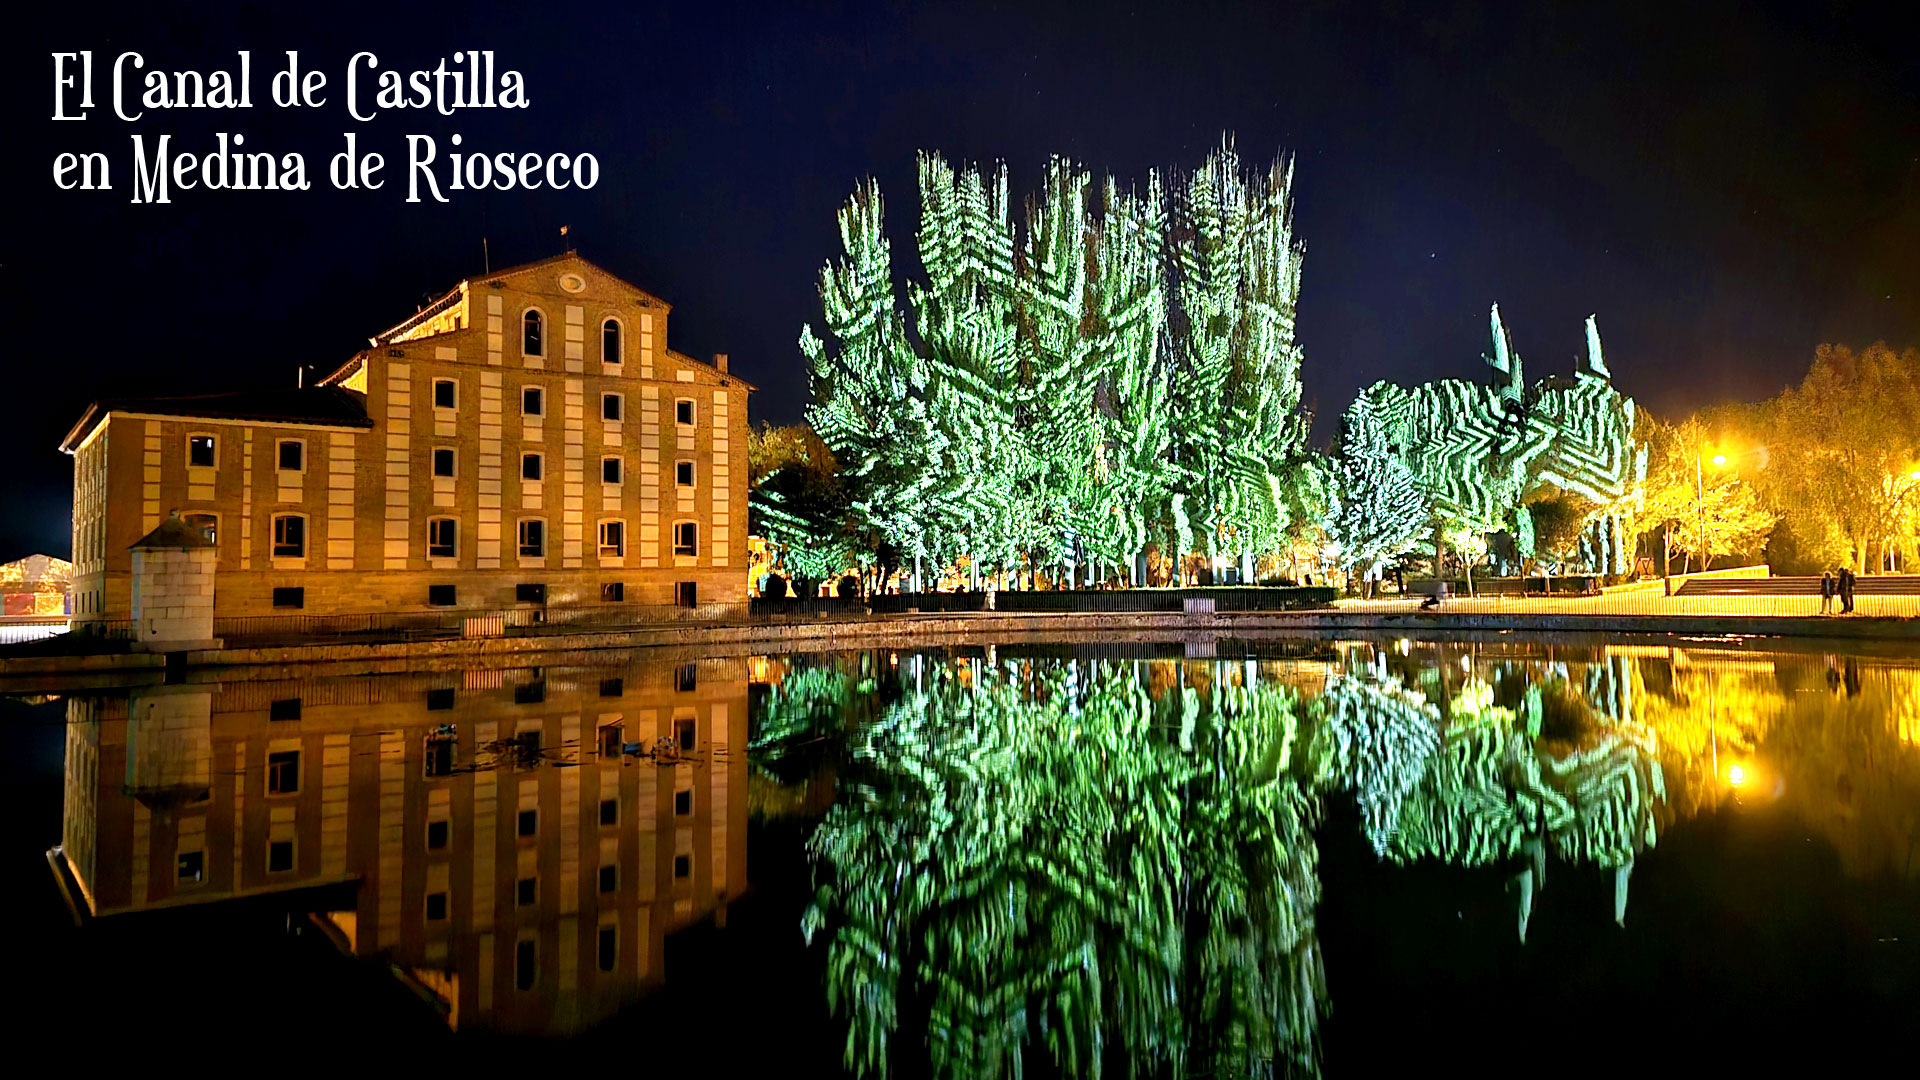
column 1078, row 859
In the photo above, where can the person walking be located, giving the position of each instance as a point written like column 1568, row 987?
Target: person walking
column 1846, row 591
column 1828, row 587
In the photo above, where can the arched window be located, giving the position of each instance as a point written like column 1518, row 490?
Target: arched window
column 531, row 339
column 610, row 342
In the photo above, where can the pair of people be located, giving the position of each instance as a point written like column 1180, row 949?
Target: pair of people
column 1840, row 587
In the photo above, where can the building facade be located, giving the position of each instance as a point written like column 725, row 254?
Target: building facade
column 525, row 440
column 519, row 842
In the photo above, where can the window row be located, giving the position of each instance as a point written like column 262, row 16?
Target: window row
column 444, row 595
column 533, row 337
column 289, row 455
column 533, row 403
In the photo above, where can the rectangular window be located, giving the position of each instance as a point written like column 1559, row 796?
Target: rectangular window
column 200, row 451
column 443, row 461
column 613, row 539
column 279, row 856
column 531, row 466
column 610, row 470
column 525, row 964
column 295, row 597
column 193, row 865
column 686, row 732
column 530, row 693
column 683, row 473
column 283, row 772
column 293, row 455
column 686, row 678
column 437, row 835
column 443, row 538
column 613, row 591
column 682, row 866
column 436, row 907
column 683, row 412
column 208, row 524
column 439, row 758
column 612, row 687
column 289, row 537
column 609, row 948
column 444, row 394
column 533, row 540
column 525, row 593
column 526, row 892
column 529, row 823
column 609, row 811
column 440, row 697
column 533, row 402
column 609, row 879
column 682, row 803
column 441, row 595
column 611, row 739
column 612, row 406
column 684, row 594
column 686, row 538
column 284, row 709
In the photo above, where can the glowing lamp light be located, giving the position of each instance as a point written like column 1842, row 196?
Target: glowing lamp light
column 1736, row 775
column 1719, row 459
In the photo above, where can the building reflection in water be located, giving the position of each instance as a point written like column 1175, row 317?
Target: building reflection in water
column 516, row 842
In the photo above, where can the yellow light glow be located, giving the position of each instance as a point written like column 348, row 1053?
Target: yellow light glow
column 1719, row 459
column 1736, row 775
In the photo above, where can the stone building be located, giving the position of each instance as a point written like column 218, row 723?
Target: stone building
column 525, row 440
column 518, row 842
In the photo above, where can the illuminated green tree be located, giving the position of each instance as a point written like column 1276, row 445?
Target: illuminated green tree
column 1379, row 510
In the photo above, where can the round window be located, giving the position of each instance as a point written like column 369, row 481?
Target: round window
column 573, row 283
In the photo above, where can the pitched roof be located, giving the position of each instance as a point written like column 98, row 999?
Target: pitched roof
column 451, row 296
column 324, row 406
column 173, row 533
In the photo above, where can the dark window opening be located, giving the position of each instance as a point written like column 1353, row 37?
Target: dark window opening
column 683, row 412
column 686, row 677
column 200, row 451
column 682, row 803
column 443, row 538
column 530, row 466
column 525, row 593
column 609, row 948
column 532, row 401
column 436, row 906
column 441, row 595
column 293, row 455
column 610, row 406
column 610, row 471
column 440, row 697
column 610, row 342
column 609, row 879
column 533, row 539
column 526, row 892
column 682, row 866
column 289, row 537
column 437, row 833
column 208, row 524
column 279, row 856
column 684, row 594
column 687, row 732
column 613, row 592
column 613, row 539
column 284, row 709
column 612, row 687
column 528, row 693
column 530, row 337
column 686, row 538
column 295, row 597
column 525, row 967
column 683, row 473
column 440, row 754
column 193, row 865
column 612, row 739
column 529, row 823
column 443, row 461
column 443, row 393
column 609, row 811
column 283, row 772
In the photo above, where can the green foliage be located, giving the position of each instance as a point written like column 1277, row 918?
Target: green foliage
column 1378, row 507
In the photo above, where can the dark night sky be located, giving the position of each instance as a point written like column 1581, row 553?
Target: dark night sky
column 1725, row 187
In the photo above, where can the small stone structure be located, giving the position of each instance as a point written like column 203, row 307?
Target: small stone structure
column 173, row 570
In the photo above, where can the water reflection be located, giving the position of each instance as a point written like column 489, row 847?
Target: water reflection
column 1112, row 863
column 1061, row 858
column 516, row 844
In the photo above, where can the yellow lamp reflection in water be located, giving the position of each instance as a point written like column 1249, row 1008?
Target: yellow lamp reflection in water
column 1736, row 775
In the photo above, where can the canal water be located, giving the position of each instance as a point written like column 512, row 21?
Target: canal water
column 1291, row 856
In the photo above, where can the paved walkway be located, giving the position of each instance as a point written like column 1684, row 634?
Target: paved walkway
column 1648, row 602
